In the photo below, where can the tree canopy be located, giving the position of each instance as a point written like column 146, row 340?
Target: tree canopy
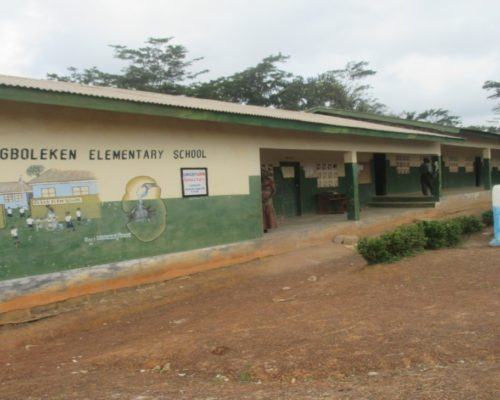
column 495, row 87
column 164, row 67
column 157, row 67
column 433, row 115
column 161, row 66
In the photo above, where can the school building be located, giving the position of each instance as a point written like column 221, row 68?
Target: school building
column 157, row 175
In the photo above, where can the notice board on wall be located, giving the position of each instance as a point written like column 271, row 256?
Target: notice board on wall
column 194, row 182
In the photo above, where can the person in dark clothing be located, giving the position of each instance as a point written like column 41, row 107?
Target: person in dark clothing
column 426, row 177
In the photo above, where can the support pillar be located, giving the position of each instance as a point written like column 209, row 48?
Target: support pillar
column 437, row 186
column 352, row 188
column 487, row 169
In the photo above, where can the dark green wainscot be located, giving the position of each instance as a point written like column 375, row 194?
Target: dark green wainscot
column 178, row 225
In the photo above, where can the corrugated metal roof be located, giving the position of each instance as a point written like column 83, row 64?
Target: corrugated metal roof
column 56, row 175
column 201, row 104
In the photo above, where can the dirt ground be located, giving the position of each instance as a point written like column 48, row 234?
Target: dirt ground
column 317, row 323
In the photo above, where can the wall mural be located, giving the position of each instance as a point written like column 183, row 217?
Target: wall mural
column 56, row 220
column 146, row 212
column 62, row 209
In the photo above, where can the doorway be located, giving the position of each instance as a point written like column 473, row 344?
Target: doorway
column 287, row 196
column 478, row 171
column 380, row 173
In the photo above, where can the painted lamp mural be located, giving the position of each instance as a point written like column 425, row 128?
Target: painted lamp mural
column 146, row 212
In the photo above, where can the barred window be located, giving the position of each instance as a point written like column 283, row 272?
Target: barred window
column 80, row 190
column 49, row 192
column 403, row 164
column 11, row 197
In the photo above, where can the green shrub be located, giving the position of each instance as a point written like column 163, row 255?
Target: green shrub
column 470, row 224
column 408, row 240
column 441, row 234
column 374, row 250
column 404, row 241
column 487, row 218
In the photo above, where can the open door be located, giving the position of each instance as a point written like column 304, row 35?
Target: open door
column 478, row 170
column 380, row 173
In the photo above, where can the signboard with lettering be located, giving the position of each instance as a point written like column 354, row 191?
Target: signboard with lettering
column 194, row 182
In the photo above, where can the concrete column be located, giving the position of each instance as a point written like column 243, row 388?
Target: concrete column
column 437, row 185
column 487, row 169
column 352, row 188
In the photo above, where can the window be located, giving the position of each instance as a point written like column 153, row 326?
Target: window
column 49, row 192
column 11, row 197
column 327, row 175
column 80, row 190
column 469, row 164
column 403, row 164
column 453, row 164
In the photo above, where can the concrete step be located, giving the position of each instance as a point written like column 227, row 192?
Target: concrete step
column 403, row 204
column 402, row 199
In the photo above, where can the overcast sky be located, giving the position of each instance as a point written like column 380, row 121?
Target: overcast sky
column 427, row 53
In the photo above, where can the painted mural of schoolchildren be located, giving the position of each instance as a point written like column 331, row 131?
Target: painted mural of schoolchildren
column 30, row 221
column 22, row 211
column 69, row 222
column 9, row 212
column 14, row 235
column 79, row 215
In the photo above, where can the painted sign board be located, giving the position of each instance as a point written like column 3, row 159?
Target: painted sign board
column 194, row 182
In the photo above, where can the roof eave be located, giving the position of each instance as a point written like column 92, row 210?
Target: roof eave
column 46, row 97
column 385, row 119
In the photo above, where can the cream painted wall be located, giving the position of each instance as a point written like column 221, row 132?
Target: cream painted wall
column 312, row 141
column 230, row 158
column 232, row 151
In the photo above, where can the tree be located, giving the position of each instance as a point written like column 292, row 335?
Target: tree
column 157, row 67
column 162, row 67
column 259, row 85
column 495, row 86
column 433, row 115
column 267, row 85
column 35, row 170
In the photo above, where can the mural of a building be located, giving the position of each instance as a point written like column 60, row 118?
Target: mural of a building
column 13, row 195
column 63, row 191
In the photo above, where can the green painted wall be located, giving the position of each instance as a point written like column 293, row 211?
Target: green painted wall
column 458, row 179
column 408, row 183
column 402, row 183
column 191, row 223
column 309, row 190
column 495, row 176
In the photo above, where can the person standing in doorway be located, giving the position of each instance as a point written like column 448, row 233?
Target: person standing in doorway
column 268, row 188
column 426, row 177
